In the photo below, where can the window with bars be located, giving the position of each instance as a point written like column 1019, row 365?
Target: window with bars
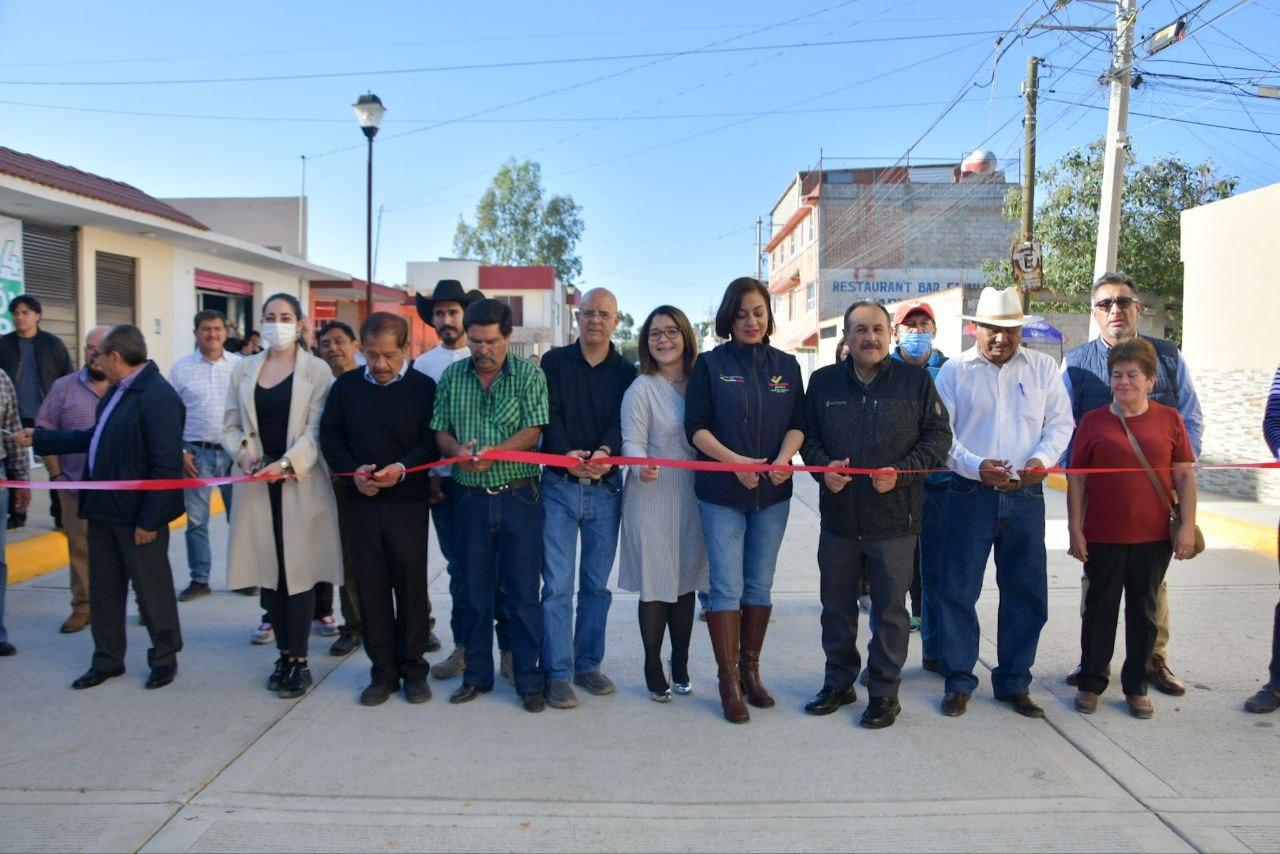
column 517, row 309
column 50, row 274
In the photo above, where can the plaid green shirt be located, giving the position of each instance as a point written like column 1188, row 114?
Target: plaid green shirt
column 516, row 399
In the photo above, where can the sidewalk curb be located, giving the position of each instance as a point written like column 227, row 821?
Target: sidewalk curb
column 47, row 553
column 1216, row 526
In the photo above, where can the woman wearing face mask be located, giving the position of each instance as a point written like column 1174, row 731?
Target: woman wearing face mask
column 914, row 326
column 663, row 553
column 271, row 431
column 745, row 405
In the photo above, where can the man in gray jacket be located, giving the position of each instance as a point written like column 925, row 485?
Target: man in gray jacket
column 870, row 411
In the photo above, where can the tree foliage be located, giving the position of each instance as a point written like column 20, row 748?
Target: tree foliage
column 1068, row 194
column 514, row 226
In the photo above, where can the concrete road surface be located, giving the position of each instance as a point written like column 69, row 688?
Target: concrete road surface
column 216, row 763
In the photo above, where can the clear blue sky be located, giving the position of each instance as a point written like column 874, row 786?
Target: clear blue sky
column 664, row 154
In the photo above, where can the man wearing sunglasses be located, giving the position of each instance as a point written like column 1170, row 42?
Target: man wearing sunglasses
column 1116, row 308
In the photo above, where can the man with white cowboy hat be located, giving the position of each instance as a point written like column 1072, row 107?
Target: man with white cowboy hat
column 1010, row 417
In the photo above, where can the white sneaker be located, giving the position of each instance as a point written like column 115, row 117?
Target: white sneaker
column 326, row 627
column 263, row 634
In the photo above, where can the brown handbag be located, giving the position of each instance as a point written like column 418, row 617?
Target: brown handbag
column 1175, row 512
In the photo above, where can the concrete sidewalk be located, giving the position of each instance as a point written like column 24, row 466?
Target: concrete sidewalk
column 215, row 763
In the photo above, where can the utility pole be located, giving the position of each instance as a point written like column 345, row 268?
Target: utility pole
column 759, row 248
column 1117, row 142
column 1029, row 92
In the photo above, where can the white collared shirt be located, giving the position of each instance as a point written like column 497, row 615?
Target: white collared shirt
column 203, row 386
column 1016, row 413
column 404, row 369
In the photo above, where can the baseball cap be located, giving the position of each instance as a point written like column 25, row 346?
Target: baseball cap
column 910, row 307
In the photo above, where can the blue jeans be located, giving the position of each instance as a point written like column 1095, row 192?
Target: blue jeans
column 210, row 462
column 933, row 540
column 498, row 539
column 572, row 645
column 742, row 546
column 979, row 518
column 443, row 519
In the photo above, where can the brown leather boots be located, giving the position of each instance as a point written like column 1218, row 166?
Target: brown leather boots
column 736, row 638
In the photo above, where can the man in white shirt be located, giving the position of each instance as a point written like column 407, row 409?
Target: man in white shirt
column 443, row 312
column 1010, row 416
column 202, row 379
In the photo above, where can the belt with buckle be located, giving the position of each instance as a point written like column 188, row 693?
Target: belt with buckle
column 213, row 446
column 506, row 487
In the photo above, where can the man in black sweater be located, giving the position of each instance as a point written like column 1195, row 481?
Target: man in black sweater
column 377, row 425
column 869, row 411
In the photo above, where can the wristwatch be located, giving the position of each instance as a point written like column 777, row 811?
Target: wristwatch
column 285, row 465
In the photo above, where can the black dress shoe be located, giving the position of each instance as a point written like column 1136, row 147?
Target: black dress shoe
column 1023, row 705
column 955, row 703
column 376, row 694
column 94, row 677
column 466, row 693
column 931, row 664
column 247, row 591
column 433, row 642
column 194, row 590
column 7, row 649
column 417, row 690
column 881, row 712
column 533, row 702
column 277, row 675
column 347, row 643
column 829, row 699
column 296, row 682
column 162, row 675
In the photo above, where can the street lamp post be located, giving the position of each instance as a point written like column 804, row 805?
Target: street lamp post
column 369, row 112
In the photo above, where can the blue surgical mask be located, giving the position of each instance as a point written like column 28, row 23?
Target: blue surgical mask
column 915, row 344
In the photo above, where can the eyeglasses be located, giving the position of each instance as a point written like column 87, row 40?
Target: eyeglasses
column 671, row 333
column 1123, row 303
column 595, row 315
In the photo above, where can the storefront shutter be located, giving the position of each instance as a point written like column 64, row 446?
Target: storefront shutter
column 50, row 275
column 116, row 277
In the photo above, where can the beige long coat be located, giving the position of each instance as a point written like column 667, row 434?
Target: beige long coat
column 312, row 551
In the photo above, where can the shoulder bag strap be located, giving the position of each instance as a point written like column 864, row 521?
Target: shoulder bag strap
column 1142, row 458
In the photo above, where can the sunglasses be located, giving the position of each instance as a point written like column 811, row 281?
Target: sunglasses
column 1124, row 303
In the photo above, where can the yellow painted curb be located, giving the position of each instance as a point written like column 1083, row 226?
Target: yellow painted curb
column 46, row 553
column 1216, row 526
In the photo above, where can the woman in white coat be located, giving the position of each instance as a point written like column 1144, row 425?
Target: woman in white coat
column 284, row 532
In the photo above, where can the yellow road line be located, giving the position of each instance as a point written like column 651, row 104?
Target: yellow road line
column 46, row 553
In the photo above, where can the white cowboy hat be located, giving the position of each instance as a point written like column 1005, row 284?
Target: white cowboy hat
column 1000, row 308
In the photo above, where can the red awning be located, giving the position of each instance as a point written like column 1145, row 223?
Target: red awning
column 223, row 284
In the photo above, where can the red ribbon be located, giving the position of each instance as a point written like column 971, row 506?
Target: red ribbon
column 564, row 461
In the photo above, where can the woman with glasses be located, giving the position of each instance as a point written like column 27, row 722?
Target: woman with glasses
column 745, row 406
column 663, row 553
column 284, row 531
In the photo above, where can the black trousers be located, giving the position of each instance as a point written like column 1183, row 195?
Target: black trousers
column 389, row 546
column 1135, row 570
column 114, row 562
column 347, row 596
column 888, row 566
column 289, row 612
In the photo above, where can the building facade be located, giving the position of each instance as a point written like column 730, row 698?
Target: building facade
column 97, row 251
column 842, row 235
column 541, row 305
column 1230, row 261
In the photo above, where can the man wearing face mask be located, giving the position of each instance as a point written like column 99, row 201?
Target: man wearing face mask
column 1116, row 309
column 914, row 325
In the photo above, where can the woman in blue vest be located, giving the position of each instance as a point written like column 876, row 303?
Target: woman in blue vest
column 744, row 405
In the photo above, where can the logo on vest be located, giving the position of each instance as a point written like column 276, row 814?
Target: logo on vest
column 732, row 378
column 779, row 386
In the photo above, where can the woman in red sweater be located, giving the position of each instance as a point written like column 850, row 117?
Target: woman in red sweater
column 1120, row 525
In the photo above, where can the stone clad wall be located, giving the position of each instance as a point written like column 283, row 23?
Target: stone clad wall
column 1233, row 402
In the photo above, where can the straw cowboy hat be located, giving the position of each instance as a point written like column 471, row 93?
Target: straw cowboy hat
column 1000, row 308
column 447, row 290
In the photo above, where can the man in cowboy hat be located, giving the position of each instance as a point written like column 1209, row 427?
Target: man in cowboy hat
column 1010, row 416
column 443, row 312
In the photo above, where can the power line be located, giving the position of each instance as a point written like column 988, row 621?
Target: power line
column 484, row 66
column 1184, row 121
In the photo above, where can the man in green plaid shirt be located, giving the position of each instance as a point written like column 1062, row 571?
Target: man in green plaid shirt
column 495, row 401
